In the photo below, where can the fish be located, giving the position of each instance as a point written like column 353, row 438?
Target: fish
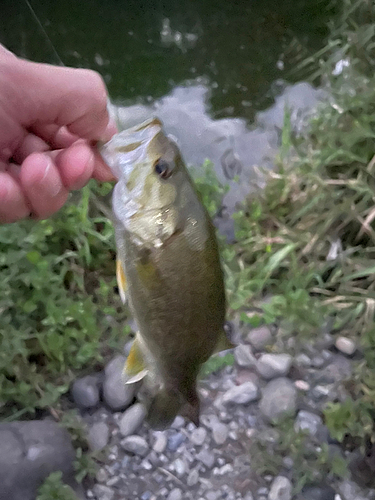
column 168, row 270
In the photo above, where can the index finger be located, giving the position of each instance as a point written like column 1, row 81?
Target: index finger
column 75, row 98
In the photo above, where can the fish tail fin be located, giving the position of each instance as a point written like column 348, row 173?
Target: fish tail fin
column 163, row 408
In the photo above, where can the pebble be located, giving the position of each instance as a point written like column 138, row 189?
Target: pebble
column 303, row 360
column 281, row 489
column 307, row 421
column 345, row 345
column 103, row 492
column 220, row 433
column 178, row 422
column 279, row 399
column 160, row 442
column 318, row 493
column 192, row 478
column 175, row 440
column 241, row 394
column 179, row 466
column 98, row 436
column 116, row 394
column 244, row 356
column 135, row 444
column 260, row 337
column 132, row 419
column 207, row 458
column 198, row 436
column 273, row 365
column 175, row 494
column 85, row 392
column 302, row 385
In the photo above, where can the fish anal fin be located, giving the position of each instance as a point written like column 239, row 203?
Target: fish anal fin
column 121, row 280
column 224, row 343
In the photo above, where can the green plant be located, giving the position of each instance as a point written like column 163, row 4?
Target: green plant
column 59, row 309
column 312, row 462
column 53, row 488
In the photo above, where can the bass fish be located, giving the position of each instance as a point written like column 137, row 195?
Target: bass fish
column 168, row 270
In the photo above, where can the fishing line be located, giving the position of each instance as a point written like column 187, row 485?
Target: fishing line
column 36, row 18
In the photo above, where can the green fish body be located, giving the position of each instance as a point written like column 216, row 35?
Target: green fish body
column 168, row 270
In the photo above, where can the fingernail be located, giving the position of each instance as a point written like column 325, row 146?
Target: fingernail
column 50, row 182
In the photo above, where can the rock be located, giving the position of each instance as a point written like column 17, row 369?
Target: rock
column 175, row 494
column 29, row 452
column 244, row 356
column 85, row 392
column 103, row 492
column 179, row 466
column 212, row 495
column 338, row 369
column 116, row 394
column 132, row 419
column 273, row 365
column 302, row 385
column 220, row 433
column 303, row 360
column 307, row 421
column 178, row 422
column 279, row 399
column 160, row 442
column 207, row 458
column 241, row 394
column 175, row 440
column 317, row 493
column 192, row 478
column 281, row 489
column 345, row 345
column 198, row 436
column 98, row 436
column 135, row 444
column 260, row 337
column 350, row 491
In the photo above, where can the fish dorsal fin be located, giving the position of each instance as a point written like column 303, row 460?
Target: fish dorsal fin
column 121, row 280
column 224, row 343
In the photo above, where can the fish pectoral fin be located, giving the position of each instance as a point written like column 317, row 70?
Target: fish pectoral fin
column 135, row 363
column 121, row 280
column 224, row 343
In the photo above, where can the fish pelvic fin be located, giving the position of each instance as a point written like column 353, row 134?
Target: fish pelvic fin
column 121, row 280
column 191, row 409
column 135, row 367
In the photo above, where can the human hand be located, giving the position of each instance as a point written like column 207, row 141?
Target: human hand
column 50, row 119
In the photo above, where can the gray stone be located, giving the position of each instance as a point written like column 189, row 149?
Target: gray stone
column 303, row 360
column 338, row 369
column 175, row 440
column 244, row 356
column 132, row 419
column 103, row 492
column 220, row 433
column 98, row 436
column 29, row 452
column 212, row 495
column 175, row 494
column 198, row 436
column 317, row 493
column 273, row 365
column 307, row 421
column 135, row 444
column 241, row 394
column 178, row 422
column 116, row 393
column 260, row 337
column 349, row 490
column 281, row 489
column 345, row 345
column 279, row 399
column 192, row 478
column 179, row 466
column 85, row 392
column 160, row 442
column 207, row 458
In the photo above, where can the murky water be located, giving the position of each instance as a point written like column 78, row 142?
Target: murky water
column 239, row 49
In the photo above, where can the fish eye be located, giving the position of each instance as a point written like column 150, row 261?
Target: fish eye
column 162, row 168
